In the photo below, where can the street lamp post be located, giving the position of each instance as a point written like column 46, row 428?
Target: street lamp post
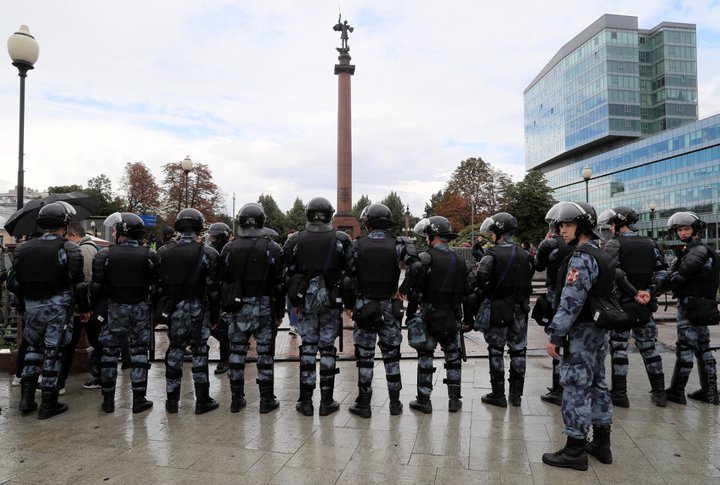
column 92, row 228
column 587, row 175
column 652, row 207
column 472, row 220
column 407, row 221
column 233, row 213
column 24, row 51
column 187, row 166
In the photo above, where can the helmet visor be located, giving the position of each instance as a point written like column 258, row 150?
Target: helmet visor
column 112, row 219
column 421, row 227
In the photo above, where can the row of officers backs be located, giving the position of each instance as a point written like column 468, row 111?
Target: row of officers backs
column 594, row 297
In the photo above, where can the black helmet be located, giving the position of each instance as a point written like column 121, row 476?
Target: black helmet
column 686, row 218
column 319, row 209
column 377, row 216
column 189, row 220
column 550, row 217
column 126, row 224
column 55, row 215
column 582, row 214
column 619, row 216
column 434, row 226
column 251, row 219
column 219, row 229
column 500, row 223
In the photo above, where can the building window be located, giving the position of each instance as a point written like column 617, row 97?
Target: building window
column 613, row 35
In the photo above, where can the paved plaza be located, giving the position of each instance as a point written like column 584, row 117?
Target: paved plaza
column 481, row 444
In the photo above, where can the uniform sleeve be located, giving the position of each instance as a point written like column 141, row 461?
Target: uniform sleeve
column 581, row 275
column 693, row 261
column 75, row 263
column 415, row 274
column 289, row 252
column 542, row 255
column 408, row 253
column 485, row 272
column 213, row 273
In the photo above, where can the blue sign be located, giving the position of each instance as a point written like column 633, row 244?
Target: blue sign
column 150, row 220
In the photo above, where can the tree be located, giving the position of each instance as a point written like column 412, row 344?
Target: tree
column 100, row 187
column 455, row 208
column 530, row 200
column 397, row 209
column 432, row 204
column 274, row 217
column 64, row 189
column 476, row 180
column 202, row 193
column 362, row 202
column 295, row 218
column 142, row 194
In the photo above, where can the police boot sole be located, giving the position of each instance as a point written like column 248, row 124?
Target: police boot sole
column 423, row 407
column 206, row 407
column 266, row 407
column 49, row 413
column 660, row 400
column 552, row 398
column 237, row 404
column 678, row 398
column 396, row 408
column 328, row 408
column 603, row 455
column 495, row 401
column 29, row 408
column 553, row 459
column 305, row 409
column 702, row 396
column 362, row 411
column 620, row 401
column 143, row 406
column 454, row 405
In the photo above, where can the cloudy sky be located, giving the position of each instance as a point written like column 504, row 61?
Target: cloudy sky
column 248, row 88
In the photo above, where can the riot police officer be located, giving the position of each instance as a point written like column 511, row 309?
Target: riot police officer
column 505, row 276
column 252, row 268
column 640, row 269
column 316, row 258
column 694, row 277
column 49, row 272
column 551, row 253
column 188, row 279
column 219, row 234
column 440, row 279
column 123, row 274
column 587, row 273
column 377, row 310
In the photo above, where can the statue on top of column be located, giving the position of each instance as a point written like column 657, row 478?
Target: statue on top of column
column 343, row 28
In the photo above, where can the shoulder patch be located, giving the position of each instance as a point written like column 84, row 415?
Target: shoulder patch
column 572, row 276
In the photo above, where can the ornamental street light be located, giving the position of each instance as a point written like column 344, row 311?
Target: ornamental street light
column 24, row 51
column 587, row 175
column 187, row 166
column 652, row 207
column 407, row 221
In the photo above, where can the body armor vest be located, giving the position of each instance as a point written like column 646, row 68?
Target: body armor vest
column 39, row 272
column 517, row 280
column 127, row 274
column 317, row 254
column 378, row 269
column 603, row 285
column 705, row 282
column 249, row 265
column 556, row 261
column 637, row 260
column 178, row 265
column 446, row 279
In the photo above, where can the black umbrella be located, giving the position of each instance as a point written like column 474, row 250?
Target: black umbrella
column 22, row 222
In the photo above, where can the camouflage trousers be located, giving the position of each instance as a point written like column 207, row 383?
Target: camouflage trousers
column 515, row 337
column 125, row 320
column 692, row 340
column 318, row 330
column 453, row 364
column 645, row 338
column 43, row 322
column 586, row 400
column 189, row 325
column 254, row 319
column 388, row 337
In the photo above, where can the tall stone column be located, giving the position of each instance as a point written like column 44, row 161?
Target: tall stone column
column 344, row 218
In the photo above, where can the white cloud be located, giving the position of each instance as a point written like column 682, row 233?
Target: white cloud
column 248, row 88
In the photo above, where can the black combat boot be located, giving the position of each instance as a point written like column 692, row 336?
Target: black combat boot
column 497, row 396
column 49, row 405
column 237, row 389
column 708, row 385
column 140, row 403
column 396, row 406
column 328, row 405
column 618, row 393
column 657, row 382
column 27, row 400
column 554, row 396
column 108, row 404
column 422, row 403
column 572, row 455
column 268, row 401
column 599, row 447
column 362, row 404
column 203, row 402
column 172, row 402
column 517, row 383
column 454, row 402
column 676, row 391
column 305, row 405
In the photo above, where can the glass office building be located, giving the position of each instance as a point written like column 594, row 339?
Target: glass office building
column 623, row 102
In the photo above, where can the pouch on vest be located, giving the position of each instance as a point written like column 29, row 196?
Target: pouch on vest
column 369, row 316
column 398, row 309
column 297, row 289
column 441, row 324
column 638, row 315
column 164, row 310
column 501, row 313
column 702, row 311
column 417, row 332
column 230, row 297
column 482, row 320
column 607, row 313
column 542, row 312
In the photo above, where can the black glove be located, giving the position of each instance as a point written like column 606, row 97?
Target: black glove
column 676, row 279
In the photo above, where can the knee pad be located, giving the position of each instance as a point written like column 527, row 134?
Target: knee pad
column 495, row 350
column 517, row 353
column 328, row 351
